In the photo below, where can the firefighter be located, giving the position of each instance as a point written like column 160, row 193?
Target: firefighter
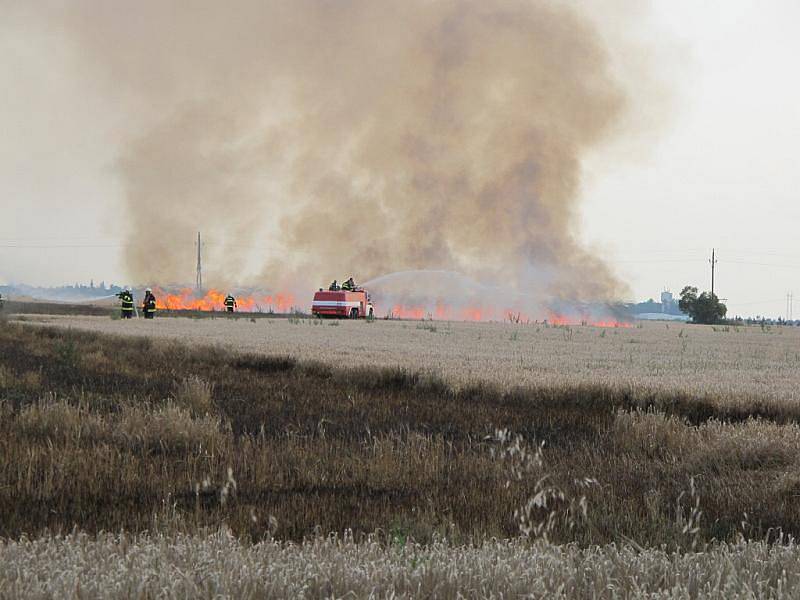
column 126, row 303
column 230, row 303
column 349, row 285
column 334, row 287
column 149, row 304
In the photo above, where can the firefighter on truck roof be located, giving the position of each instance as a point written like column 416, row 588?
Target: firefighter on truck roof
column 230, row 303
column 349, row 285
column 126, row 303
column 149, row 304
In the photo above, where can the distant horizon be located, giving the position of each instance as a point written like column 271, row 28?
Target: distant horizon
column 250, row 288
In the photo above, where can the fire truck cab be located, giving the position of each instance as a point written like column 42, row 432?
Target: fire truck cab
column 342, row 304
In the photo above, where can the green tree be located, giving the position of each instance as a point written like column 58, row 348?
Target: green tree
column 705, row 308
column 688, row 300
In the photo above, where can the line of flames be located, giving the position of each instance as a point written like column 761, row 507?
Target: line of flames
column 186, row 299
column 442, row 312
column 214, row 300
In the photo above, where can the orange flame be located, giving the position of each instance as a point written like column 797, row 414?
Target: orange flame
column 185, row 299
column 213, row 300
column 555, row 319
column 442, row 312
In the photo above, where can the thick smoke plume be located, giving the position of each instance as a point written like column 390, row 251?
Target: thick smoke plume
column 362, row 137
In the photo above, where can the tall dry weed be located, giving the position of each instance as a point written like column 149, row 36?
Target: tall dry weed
column 551, row 507
column 60, row 421
column 195, row 394
column 169, row 428
column 7, row 378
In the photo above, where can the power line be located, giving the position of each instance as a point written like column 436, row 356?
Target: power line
column 658, row 260
column 59, row 238
column 770, row 301
column 761, row 264
column 676, row 261
column 57, row 246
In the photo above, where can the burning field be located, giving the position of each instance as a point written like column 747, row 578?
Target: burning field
column 416, row 295
column 214, row 300
column 440, row 311
column 451, row 296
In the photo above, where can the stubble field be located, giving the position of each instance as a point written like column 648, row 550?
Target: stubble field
column 447, row 459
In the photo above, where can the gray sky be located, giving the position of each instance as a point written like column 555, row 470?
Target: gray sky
column 722, row 171
column 716, row 168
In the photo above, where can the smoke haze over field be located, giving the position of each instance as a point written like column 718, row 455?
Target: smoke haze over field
column 354, row 137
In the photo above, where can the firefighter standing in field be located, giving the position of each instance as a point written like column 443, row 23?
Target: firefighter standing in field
column 230, row 303
column 149, row 304
column 126, row 303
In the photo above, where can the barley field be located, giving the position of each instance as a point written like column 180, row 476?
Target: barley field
column 725, row 362
column 230, row 458
column 219, row 566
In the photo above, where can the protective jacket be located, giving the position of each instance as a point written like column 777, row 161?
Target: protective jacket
column 230, row 303
column 126, row 302
column 149, row 305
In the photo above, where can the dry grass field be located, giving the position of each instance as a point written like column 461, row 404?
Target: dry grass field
column 724, row 362
column 667, row 458
column 219, row 566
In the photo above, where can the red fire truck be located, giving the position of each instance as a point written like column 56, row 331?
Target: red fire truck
column 343, row 304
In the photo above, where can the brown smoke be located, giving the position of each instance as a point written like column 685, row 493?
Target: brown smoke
column 366, row 136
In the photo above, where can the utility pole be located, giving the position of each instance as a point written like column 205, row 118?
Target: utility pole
column 789, row 306
column 199, row 282
column 713, row 262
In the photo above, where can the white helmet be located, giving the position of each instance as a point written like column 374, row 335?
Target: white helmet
column 148, row 290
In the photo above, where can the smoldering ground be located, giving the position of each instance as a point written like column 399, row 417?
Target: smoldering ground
column 354, row 137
